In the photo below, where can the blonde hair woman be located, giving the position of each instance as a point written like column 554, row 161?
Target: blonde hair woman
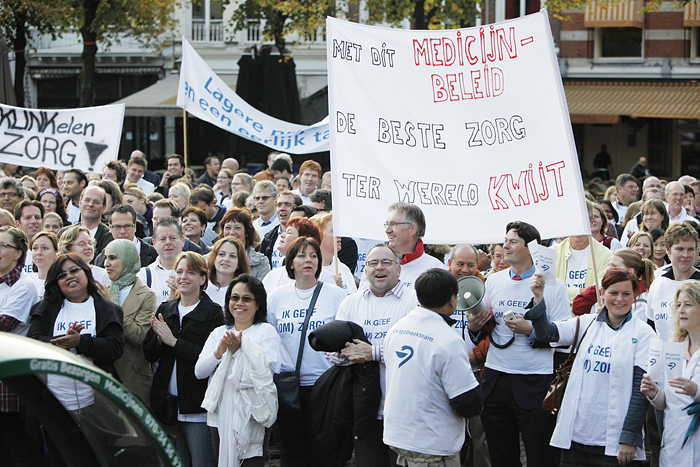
column 680, row 445
column 77, row 239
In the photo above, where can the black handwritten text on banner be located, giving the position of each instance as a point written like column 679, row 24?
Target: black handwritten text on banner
column 469, row 124
column 61, row 139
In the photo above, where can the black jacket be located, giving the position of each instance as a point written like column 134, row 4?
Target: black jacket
column 148, row 255
column 196, row 327
column 345, row 399
column 108, row 343
column 267, row 245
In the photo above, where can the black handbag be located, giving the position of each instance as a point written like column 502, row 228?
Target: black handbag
column 288, row 382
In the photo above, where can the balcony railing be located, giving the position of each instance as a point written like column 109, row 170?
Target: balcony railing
column 213, row 32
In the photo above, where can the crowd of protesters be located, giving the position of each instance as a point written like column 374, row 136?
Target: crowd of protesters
column 200, row 294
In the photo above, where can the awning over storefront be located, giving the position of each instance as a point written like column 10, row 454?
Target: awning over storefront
column 605, row 102
column 614, row 14
column 158, row 100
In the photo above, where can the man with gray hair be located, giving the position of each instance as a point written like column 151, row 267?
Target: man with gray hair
column 11, row 193
column 675, row 192
column 265, row 195
column 405, row 228
column 376, row 309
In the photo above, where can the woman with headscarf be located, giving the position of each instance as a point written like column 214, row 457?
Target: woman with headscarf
column 138, row 301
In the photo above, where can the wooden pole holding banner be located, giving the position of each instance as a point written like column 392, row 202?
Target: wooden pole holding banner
column 335, row 254
column 595, row 270
column 184, row 131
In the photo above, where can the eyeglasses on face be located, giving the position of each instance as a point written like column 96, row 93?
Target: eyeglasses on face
column 72, row 271
column 385, row 262
column 244, row 298
column 394, row 224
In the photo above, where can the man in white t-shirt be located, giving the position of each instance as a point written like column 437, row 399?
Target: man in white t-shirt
column 168, row 241
column 134, row 173
column 376, row 308
column 404, row 228
column 518, row 368
column 575, row 266
column 265, row 194
column 681, row 241
column 430, row 388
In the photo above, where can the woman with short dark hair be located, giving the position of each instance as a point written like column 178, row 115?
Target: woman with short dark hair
column 241, row 427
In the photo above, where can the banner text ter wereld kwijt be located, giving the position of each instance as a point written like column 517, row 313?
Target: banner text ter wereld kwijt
column 505, row 191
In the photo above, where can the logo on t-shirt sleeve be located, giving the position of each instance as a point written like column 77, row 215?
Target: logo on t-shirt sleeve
column 406, row 355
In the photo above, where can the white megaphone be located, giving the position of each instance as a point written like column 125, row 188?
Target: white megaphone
column 470, row 295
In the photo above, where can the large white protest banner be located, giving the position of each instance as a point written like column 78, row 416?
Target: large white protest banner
column 203, row 94
column 84, row 139
column 471, row 125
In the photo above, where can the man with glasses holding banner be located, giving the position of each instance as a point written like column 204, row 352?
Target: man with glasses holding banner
column 405, row 228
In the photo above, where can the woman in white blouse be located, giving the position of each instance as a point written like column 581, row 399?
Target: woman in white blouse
column 680, row 446
column 241, row 355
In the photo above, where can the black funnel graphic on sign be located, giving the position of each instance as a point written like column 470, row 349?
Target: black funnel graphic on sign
column 94, row 151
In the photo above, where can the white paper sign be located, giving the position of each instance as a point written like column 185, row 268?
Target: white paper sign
column 543, row 259
column 655, row 370
column 84, row 139
column 208, row 98
column 471, row 125
column 673, row 359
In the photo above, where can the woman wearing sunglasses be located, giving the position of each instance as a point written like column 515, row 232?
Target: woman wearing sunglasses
column 75, row 317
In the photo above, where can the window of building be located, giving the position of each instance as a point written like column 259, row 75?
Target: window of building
column 694, row 46
column 207, row 21
column 619, row 43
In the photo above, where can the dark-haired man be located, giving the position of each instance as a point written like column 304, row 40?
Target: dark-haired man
column 627, row 189
column 212, row 166
column 203, row 198
column 122, row 225
column 74, row 182
column 134, row 173
column 176, row 170
column 429, row 384
column 518, row 368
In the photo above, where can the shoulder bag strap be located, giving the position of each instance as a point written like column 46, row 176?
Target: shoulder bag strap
column 309, row 311
column 578, row 328
column 578, row 346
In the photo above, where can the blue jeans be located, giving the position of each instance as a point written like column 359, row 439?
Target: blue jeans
column 194, row 444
